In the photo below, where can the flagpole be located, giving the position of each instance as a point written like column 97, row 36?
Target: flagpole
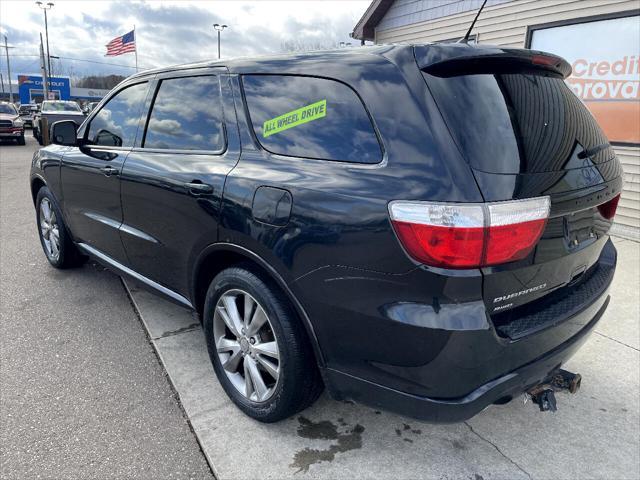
column 135, row 44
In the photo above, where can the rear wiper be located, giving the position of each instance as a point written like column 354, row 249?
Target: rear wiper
column 590, row 152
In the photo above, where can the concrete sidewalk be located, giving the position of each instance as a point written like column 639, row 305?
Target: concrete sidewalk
column 594, row 434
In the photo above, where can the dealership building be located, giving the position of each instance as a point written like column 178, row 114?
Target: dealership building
column 600, row 39
column 30, row 90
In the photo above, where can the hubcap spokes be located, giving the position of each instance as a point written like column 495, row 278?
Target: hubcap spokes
column 49, row 229
column 246, row 345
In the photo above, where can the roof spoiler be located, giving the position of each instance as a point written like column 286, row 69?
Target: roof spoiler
column 461, row 59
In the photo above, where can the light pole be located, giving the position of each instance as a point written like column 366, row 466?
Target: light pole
column 44, row 8
column 219, row 28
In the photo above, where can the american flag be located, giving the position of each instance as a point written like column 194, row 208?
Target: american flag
column 119, row 45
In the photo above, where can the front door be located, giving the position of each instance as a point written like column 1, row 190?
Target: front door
column 91, row 173
column 172, row 182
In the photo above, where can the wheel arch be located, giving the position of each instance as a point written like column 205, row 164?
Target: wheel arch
column 36, row 184
column 220, row 256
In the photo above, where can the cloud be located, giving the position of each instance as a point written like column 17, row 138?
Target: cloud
column 165, row 127
column 168, row 32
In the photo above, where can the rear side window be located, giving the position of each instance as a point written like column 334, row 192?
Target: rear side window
column 186, row 115
column 116, row 124
column 310, row 117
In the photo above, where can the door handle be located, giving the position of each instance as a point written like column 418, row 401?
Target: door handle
column 109, row 170
column 198, row 188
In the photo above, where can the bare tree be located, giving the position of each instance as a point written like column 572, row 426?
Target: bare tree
column 106, row 82
column 307, row 45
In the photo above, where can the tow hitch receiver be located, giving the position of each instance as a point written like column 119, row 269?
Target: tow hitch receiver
column 543, row 394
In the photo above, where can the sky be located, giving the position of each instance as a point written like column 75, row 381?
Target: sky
column 168, row 32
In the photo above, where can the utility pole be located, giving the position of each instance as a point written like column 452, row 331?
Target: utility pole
column 2, row 81
column 43, row 67
column 6, row 49
column 51, row 71
column 219, row 28
column 46, row 7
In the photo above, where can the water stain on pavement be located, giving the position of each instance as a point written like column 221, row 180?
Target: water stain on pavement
column 406, row 429
column 351, row 439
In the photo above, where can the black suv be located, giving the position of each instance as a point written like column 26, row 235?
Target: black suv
column 418, row 228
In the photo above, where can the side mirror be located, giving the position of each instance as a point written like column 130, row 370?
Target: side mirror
column 64, row 133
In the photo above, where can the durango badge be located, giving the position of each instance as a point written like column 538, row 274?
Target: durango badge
column 519, row 294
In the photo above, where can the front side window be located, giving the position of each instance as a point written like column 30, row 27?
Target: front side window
column 310, row 117
column 186, row 115
column 116, row 124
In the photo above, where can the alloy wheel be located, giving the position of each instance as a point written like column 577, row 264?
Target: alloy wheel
column 49, row 229
column 246, row 345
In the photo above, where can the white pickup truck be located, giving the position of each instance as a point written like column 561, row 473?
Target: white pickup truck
column 54, row 111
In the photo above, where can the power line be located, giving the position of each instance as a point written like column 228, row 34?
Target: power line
column 80, row 60
column 94, row 61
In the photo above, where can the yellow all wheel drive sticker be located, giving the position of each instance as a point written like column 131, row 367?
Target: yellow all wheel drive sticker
column 291, row 119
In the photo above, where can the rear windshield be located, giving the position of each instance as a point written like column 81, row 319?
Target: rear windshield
column 512, row 123
column 60, row 107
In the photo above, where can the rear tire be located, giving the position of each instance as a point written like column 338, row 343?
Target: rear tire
column 54, row 236
column 270, row 371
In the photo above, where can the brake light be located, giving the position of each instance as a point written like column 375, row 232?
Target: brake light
column 546, row 60
column 608, row 209
column 451, row 235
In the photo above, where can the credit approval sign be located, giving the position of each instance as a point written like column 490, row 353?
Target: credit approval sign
column 605, row 60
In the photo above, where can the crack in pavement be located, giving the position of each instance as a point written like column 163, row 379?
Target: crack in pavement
column 178, row 331
column 498, row 450
column 617, row 341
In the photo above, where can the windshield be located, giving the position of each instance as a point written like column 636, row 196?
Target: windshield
column 60, row 107
column 7, row 108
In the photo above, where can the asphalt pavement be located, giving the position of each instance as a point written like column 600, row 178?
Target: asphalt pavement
column 82, row 393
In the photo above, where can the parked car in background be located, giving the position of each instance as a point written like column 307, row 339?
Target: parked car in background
column 418, row 228
column 11, row 125
column 54, row 111
column 27, row 112
column 90, row 106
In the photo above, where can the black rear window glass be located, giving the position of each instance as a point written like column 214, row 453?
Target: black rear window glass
column 310, row 117
column 186, row 115
column 511, row 123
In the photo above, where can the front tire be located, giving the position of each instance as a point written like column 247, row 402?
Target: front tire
column 259, row 348
column 54, row 237
column 21, row 140
column 36, row 135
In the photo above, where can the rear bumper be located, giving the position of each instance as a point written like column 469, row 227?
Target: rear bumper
column 508, row 386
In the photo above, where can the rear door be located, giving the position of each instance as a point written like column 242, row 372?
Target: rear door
column 91, row 173
column 526, row 135
column 173, row 180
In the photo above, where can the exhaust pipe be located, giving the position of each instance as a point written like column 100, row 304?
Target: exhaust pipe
column 564, row 380
column 543, row 394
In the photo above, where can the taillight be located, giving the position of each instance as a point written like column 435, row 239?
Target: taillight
column 608, row 210
column 451, row 235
